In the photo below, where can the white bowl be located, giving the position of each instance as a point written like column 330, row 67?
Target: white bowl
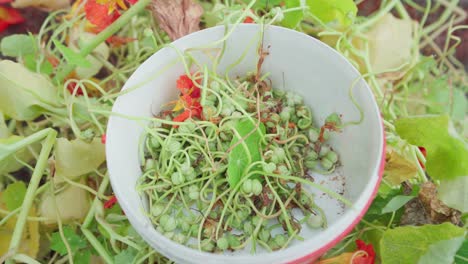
column 296, row 62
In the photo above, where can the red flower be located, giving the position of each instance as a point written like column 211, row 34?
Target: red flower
column 111, row 202
column 71, row 88
column 9, row 16
column 102, row 13
column 187, row 86
column 103, row 139
column 189, row 99
column 249, row 20
column 369, row 258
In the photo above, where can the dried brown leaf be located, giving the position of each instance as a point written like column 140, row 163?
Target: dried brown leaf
column 436, row 209
column 177, row 17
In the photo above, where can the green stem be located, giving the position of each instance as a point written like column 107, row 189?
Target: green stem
column 33, row 185
column 105, row 34
column 97, row 246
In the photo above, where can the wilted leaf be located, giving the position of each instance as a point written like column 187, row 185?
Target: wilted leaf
column 48, row 5
column 454, row 193
column 78, row 39
column 72, row 204
column 447, row 152
column 177, row 17
column 75, row 158
column 409, row 244
column 30, row 239
column 397, row 168
column 390, row 43
column 437, row 211
column 23, row 92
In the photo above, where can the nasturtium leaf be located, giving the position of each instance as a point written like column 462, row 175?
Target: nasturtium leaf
column 31, row 62
column 396, row 203
column 72, row 203
column 30, row 238
column 12, row 150
column 100, row 53
column 447, row 152
column 442, row 251
column 246, row 153
column 13, row 195
column 454, row 193
column 293, row 18
column 75, row 241
column 341, row 11
column 409, row 244
column 448, row 101
column 265, row 3
column 77, row 157
column 22, row 93
column 18, row 45
column 82, row 257
column 398, row 168
column 71, row 56
column 461, row 256
column 125, row 256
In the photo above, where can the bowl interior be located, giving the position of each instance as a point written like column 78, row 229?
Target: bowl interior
column 295, row 62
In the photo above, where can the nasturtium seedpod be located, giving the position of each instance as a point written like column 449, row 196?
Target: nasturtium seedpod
column 312, row 155
column 324, row 150
column 275, row 118
column 269, row 167
column 311, row 164
column 305, row 200
column 256, row 187
column 170, row 224
column 188, row 127
column 334, row 118
column 332, row 156
column 315, row 221
column 247, row 186
column 280, row 240
column 234, row 241
column 207, row 245
column 174, row 146
column 149, row 164
column 248, row 228
column 222, row 243
column 169, row 235
column 264, row 235
column 185, row 227
column 177, row 178
column 326, row 164
column 154, row 142
column 157, row 209
column 283, row 170
column 285, row 115
column 179, row 238
column 304, row 123
column 326, row 134
column 314, row 134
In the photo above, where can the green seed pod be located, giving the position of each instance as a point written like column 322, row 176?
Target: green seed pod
column 279, row 93
column 332, row 156
column 304, row 123
column 207, row 245
column 236, row 223
column 285, row 115
column 248, row 228
column 247, row 186
column 169, row 235
column 315, row 221
column 334, row 118
column 283, row 170
column 311, row 164
column 280, row 240
column 154, row 142
column 243, row 214
column 188, row 127
column 194, row 229
column 222, row 243
column 270, row 124
column 326, row 164
column 149, row 164
column 233, row 241
column 305, row 200
column 160, row 229
column 314, row 134
column 170, row 224
column 326, row 135
column 194, row 195
column 275, row 118
column 214, row 85
column 213, row 214
column 312, row 155
column 185, row 227
column 269, row 167
column 157, row 210
column 179, row 238
column 324, row 151
column 163, row 219
column 177, row 178
column 227, row 109
column 264, row 235
column 173, row 146
column 191, row 176
column 297, row 99
column 256, row 187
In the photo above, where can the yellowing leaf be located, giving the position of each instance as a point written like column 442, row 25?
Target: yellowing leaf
column 10, row 163
column 72, row 204
column 75, row 158
column 22, row 93
column 390, row 43
column 30, row 239
column 397, row 168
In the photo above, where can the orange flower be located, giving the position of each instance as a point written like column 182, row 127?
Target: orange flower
column 364, row 255
column 189, row 99
column 9, row 16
